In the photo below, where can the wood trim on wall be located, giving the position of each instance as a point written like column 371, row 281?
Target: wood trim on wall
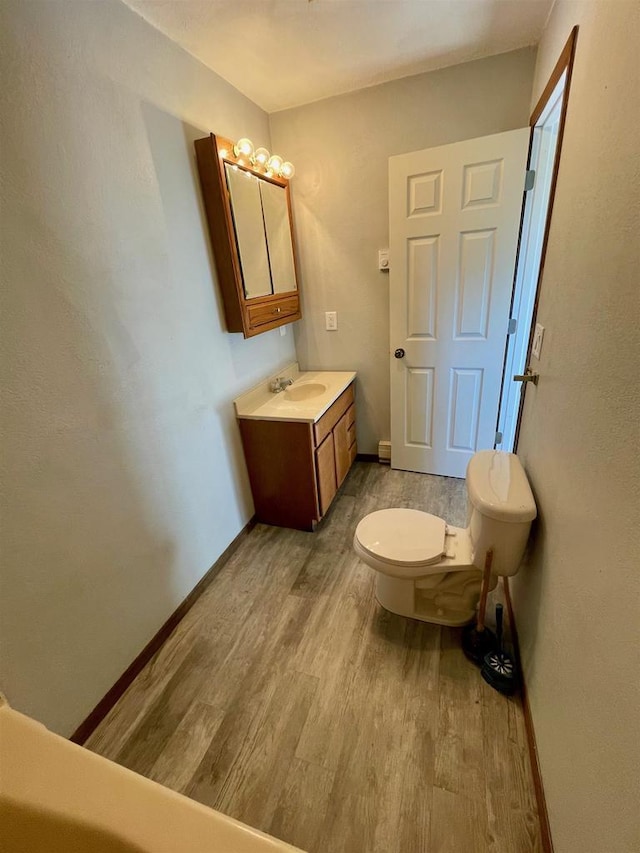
column 564, row 63
column 367, row 457
column 543, row 814
column 565, row 60
column 88, row 725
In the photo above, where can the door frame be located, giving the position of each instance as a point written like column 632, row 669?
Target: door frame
column 562, row 66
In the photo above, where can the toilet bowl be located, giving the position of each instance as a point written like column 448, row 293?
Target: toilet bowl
column 429, row 570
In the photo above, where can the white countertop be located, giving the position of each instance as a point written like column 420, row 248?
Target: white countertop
column 260, row 403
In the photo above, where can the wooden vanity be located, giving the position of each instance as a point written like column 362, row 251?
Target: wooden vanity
column 297, row 466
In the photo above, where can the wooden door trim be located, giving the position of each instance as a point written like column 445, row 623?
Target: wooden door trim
column 543, row 814
column 564, row 63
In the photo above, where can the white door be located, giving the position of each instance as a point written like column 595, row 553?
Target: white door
column 454, row 220
column 544, row 144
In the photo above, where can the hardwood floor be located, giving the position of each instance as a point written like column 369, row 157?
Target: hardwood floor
column 290, row 700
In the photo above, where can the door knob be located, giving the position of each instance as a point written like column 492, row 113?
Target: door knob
column 399, row 353
column 528, row 376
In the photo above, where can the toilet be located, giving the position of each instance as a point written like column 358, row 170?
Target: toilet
column 429, row 570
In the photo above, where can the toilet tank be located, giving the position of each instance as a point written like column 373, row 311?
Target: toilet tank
column 501, row 509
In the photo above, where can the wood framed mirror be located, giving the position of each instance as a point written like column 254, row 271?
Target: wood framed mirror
column 251, row 229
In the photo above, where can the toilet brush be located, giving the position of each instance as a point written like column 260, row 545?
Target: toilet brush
column 478, row 640
column 498, row 668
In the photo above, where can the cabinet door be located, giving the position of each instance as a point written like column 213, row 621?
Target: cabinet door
column 325, row 464
column 277, row 226
column 246, row 209
column 341, row 442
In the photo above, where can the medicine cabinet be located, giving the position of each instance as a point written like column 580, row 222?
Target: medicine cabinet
column 251, row 230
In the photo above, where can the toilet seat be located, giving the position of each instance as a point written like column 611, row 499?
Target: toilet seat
column 402, row 537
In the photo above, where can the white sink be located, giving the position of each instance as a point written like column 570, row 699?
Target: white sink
column 304, row 391
column 305, row 401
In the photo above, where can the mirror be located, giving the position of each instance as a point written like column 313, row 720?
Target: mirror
column 246, row 210
column 278, row 230
column 248, row 216
column 262, row 225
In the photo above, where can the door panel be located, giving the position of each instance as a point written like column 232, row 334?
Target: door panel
column 422, row 287
column 473, row 288
column 419, row 401
column 454, row 217
column 464, row 406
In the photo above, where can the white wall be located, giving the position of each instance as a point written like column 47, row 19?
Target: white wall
column 578, row 599
column 341, row 148
column 123, row 476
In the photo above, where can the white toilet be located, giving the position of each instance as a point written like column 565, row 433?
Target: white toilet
column 429, row 570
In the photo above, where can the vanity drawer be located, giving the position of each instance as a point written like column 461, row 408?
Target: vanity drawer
column 333, row 415
column 270, row 312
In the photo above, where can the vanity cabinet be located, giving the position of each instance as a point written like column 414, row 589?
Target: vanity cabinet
column 251, row 230
column 296, row 468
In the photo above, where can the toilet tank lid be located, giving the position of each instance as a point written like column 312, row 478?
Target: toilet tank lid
column 498, row 487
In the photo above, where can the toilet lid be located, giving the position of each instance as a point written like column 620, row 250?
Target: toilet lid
column 404, row 536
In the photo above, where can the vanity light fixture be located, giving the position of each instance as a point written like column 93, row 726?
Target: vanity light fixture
column 275, row 163
column 243, row 148
column 260, row 158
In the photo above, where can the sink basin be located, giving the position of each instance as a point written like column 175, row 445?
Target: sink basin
column 305, row 391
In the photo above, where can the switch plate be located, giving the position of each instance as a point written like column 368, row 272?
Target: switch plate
column 331, row 321
column 383, row 259
column 538, row 335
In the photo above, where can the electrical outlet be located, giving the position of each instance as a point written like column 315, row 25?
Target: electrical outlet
column 538, row 335
column 331, row 321
column 283, row 331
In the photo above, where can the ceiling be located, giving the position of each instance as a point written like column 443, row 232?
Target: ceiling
column 283, row 53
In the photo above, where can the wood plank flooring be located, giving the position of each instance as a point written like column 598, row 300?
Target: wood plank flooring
column 289, row 699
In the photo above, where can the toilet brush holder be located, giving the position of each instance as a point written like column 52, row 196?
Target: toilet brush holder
column 478, row 640
column 498, row 668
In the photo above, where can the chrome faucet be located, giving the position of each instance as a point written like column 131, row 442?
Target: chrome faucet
column 279, row 384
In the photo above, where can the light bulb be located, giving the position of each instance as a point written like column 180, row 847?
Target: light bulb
column 287, row 170
column 243, row 147
column 275, row 163
column 261, row 157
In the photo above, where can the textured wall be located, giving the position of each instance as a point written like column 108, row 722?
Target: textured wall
column 578, row 599
column 341, row 148
column 123, row 477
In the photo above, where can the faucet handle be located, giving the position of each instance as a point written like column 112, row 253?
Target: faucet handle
column 279, row 384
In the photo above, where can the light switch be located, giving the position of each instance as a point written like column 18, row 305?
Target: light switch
column 383, row 259
column 331, row 321
column 538, row 335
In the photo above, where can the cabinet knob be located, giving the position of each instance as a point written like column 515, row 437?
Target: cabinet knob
column 277, row 310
